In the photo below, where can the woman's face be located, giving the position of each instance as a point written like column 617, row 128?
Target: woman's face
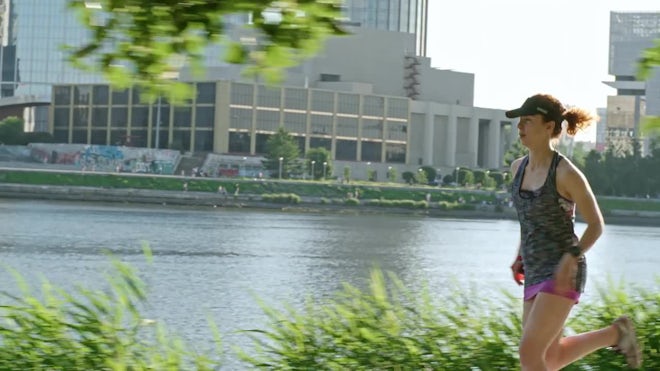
column 533, row 130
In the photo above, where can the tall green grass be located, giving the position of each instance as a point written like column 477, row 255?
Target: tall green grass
column 388, row 328
column 383, row 327
column 88, row 330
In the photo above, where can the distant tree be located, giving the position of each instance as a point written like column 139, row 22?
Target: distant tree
column 136, row 42
column 284, row 146
column 420, row 177
column 11, row 131
column 319, row 156
column 371, row 174
column 391, row 174
column 431, row 172
column 408, row 177
column 514, row 152
column 465, row 177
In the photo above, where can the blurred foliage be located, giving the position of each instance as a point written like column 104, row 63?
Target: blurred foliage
column 388, row 327
column 89, row 329
column 648, row 64
column 384, row 326
column 141, row 42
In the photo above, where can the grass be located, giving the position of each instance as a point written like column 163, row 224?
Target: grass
column 384, row 327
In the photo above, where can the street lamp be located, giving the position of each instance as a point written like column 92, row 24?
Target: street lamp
column 313, row 175
column 325, row 165
column 281, row 158
column 368, row 170
column 242, row 172
column 158, row 123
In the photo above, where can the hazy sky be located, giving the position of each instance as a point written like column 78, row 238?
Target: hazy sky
column 517, row 48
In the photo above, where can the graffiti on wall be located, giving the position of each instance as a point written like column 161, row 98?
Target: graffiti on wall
column 107, row 158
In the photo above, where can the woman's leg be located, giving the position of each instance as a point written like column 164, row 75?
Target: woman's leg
column 563, row 351
column 566, row 350
column 543, row 321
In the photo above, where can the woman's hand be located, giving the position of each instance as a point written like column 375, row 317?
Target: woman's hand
column 518, row 271
column 565, row 273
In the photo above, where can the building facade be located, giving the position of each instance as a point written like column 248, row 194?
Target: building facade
column 237, row 118
column 630, row 34
column 368, row 98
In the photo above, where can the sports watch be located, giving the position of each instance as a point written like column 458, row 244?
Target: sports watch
column 575, row 250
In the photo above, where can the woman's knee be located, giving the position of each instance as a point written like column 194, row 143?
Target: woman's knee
column 531, row 352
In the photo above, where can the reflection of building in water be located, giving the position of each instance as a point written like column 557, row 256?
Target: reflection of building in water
column 630, row 34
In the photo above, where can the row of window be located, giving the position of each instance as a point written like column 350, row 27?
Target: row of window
column 346, row 149
column 242, row 94
column 175, row 139
column 118, row 117
column 296, row 123
column 103, row 95
column 319, row 100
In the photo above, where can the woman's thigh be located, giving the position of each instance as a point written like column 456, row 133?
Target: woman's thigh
column 544, row 318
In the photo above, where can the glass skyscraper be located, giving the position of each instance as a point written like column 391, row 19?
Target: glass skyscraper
column 410, row 16
column 32, row 59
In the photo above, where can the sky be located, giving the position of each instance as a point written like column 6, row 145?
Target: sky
column 517, row 48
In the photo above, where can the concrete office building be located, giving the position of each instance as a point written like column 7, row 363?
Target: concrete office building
column 364, row 98
column 630, row 34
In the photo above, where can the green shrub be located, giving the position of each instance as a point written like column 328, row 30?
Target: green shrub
column 388, row 328
column 281, row 198
column 352, row 201
column 88, row 330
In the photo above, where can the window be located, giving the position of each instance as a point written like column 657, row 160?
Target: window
column 182, row 117
column 82, row 94
column 100, row 117
column 101, row 94
column 119, row 117
column 371, row 151
column 240, row 118
column 373, row 106
column 346, row 150
column 205, row 117
column 206, row 92
column 120, row 97
column 348, row 103
column 323, row 101
column 62, row 95
column 242, row 94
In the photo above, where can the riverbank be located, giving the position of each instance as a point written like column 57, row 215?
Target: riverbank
column 306, row 205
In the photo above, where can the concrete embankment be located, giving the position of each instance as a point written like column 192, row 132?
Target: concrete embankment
column 313, row 205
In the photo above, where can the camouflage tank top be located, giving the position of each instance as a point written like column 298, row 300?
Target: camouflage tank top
column 546, row 226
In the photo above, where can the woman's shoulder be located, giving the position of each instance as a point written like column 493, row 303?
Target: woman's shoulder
column 567, row 171
column 516, row 164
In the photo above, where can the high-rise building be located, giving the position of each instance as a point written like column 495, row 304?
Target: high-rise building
column 32, row 59
column 409, row 16
column 630, row 34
